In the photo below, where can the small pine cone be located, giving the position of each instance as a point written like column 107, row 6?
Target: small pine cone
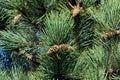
column 55, row 48
column 16, row 18
column 110, row 34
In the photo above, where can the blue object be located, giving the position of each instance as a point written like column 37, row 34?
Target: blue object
column 5, row 60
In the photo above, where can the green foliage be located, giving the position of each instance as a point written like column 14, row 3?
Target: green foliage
column 110, row 22
column 86, row 32
column 87, row 3
column 12, row 38
column 41, row 24
column 3, row 18
column 14, row 74
column 62, row 68
column 56, row 29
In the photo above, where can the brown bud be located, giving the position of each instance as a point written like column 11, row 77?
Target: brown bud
column 16, row 18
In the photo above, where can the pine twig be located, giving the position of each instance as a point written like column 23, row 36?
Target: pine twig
column 32, row 58
column 29, row 20
column 110, row 34
column 55, row 48
column 76, row 8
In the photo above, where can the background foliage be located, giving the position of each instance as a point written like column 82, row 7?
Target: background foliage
column 45, row 42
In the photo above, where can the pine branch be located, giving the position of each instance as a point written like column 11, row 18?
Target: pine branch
column 76, row 8
column 55, row 48
column 32, row 58
column 29, row 20
column 110, row 34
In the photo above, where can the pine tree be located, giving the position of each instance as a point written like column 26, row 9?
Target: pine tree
column 61, row 39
